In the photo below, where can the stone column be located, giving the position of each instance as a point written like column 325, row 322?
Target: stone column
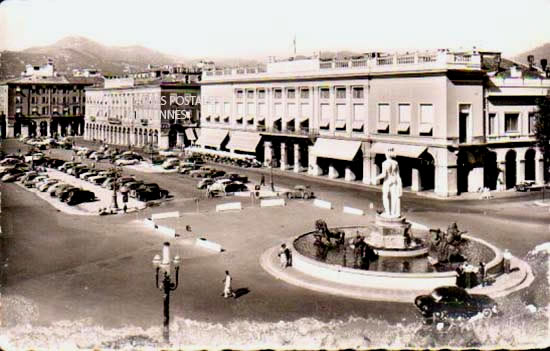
column 268, row 153
column 520, row 170
column 415, row 180
column 501, row 180
column 24, row 131
column 180, row 141
column 163, row 142
column 539, row 169
column 59, row 128
column 369, row 168
column 284, row 157
column 48, row 134
column 297, row 159
column 445, row 172
column 332, row 172
column 313, row 167
column 10, row 131
column 349, row 175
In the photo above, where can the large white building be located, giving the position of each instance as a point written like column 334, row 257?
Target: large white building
column 453, row 121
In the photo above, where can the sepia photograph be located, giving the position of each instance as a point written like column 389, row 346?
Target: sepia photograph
column 245, row 175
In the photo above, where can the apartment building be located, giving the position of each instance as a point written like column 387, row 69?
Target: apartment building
column 337, row 118
column 143, row 110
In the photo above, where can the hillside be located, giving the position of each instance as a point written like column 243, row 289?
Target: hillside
column 79, row 52
column 539, row 52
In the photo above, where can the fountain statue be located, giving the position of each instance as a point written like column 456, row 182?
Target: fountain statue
column 392, row 230
column 392, row 188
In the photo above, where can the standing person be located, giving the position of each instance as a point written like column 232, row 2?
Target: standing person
column 482, row 273
column 227, row 291
column 283, row 258
column 262, row 180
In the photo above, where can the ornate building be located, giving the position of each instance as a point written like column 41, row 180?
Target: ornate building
column 453, row 119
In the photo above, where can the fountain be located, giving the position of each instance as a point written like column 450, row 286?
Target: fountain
column 391, row 252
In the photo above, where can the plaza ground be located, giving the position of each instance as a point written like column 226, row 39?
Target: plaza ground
column 78, row 267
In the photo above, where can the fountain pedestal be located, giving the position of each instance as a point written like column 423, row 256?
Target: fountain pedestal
column 390, row 233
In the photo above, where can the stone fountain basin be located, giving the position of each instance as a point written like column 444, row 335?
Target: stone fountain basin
column 422, row 282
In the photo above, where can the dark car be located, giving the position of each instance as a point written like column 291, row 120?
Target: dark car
column 79, row 196
column 300, row 192
column 65, row 193
column 58, row 190
column 149, row 192
column 237, row 177
column 527, row 185
column 451, row 302
column 235, row 187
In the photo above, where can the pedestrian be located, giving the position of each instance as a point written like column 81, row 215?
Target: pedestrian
column 262, row 180
column 93, row 165
column 283, row 258
column 482, row 273
column 227, row 291
column 288, row 257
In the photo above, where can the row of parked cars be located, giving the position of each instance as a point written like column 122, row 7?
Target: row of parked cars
column 14, row 168
column 44, row 143
column 107, row 179
column 120, row 158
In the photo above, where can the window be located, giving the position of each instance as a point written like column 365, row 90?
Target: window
column 278, row 94
column 33, row 100
column 359, row 113
column 239, row 94
column 18, row 99
column 291, row 110
column 404, row 113
column 326, row 113
column 261, row 94
column 511, row 124
column 325, row 93
column 53, row 100
column 262, row 110
column 492, row 124
column 304, row 93
column 358, row 93
column 251, row 109
column 532, row 122
column 74, row 99
column 250, row 94
column 240, row 109
column 384, row 112
column 227, row 108
column 340, row 93
column 426, row 113
column 291, row 94
column 44, row 110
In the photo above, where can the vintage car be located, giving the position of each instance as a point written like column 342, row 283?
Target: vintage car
column 528, row 185
column 300, row 192
column 451, row 302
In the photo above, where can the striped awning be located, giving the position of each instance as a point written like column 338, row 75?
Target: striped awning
column 244, row 141
column 212, row 137
column 336, row 149
column 412, row 151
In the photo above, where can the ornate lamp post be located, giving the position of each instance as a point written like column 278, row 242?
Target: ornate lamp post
column 163, row 267
column 117, row 172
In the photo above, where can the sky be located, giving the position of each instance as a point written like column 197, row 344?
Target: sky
column 255, row 29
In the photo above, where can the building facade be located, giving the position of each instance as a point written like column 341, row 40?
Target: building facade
column 138, row 112
column 337, row 118
column 45, row 106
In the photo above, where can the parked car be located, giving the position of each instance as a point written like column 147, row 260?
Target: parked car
column 79, row 196
column 65, row 193
column 54, row 163
column 132, row 186
column 451, row 302
column 97, row 155
column 186, row 169
column 300, row 192
column 200, row 173
column 235, row 187
column 528, row 185
column 150, row 191
column 126, row 161
column 76, row 170
column 170, row 153
column 32, row 181
column 204, row 183
column 237, row 177
column 87, row 175
column 66, row 165
column 216, row 173
column 13, row 175
column 171, row 163
column 132, row 154
column 54, row 188
column 97, row 180
column 45, row 185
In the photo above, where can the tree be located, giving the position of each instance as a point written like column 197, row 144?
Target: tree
column 542, row 128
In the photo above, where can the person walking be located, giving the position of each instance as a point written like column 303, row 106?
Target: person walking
column 227, row 291
column 283, row 256
column 262, row 180
column 482, row 274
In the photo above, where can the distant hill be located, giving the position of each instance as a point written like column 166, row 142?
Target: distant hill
column 78, row 52
column 539, row 52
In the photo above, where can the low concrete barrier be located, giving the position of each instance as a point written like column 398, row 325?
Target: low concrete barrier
column 272, row 202
column 353, row 211
column 149, row 222
column 322, row 204
column 174, row 214
column 230, row 206
column 242, row 194
column 207, row 244
column 166, row 230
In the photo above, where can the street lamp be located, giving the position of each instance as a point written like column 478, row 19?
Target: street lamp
column 117, row 172
column 164, row 265
column 271, row 165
